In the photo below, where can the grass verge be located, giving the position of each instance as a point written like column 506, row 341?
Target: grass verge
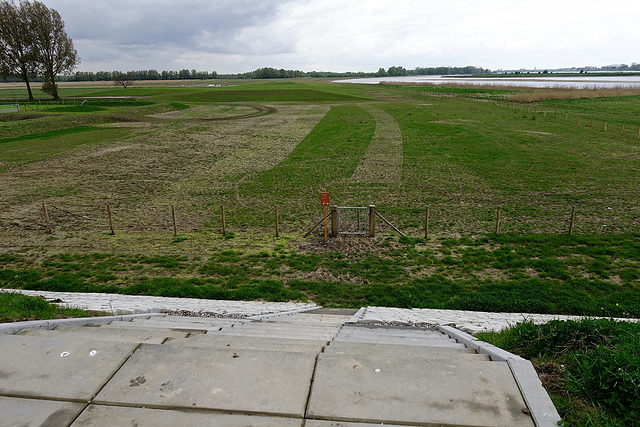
column 16, row 307
column 591, row 368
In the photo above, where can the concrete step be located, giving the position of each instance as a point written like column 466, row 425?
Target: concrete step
column 417, row 352
column 109, row 416
column 58, row 368
column 231, row 342
column 401, row 390
column 294, row 335
column 102, row 334
column 162, row 376
column 302, row 318
column 401, row 341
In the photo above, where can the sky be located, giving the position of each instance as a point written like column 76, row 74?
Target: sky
column 237, row 36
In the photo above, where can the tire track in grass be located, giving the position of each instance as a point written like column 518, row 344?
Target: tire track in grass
column 382, row 162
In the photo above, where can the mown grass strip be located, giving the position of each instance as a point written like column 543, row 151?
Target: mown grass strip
column 49, row 134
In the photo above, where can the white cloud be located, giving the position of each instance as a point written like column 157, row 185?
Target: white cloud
column 361, row 35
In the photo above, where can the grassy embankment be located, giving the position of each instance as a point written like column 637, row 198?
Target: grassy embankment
column 16, row 307
column 591, row 368
column 258, row 145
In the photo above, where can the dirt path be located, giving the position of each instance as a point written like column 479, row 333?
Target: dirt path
column 382, row 163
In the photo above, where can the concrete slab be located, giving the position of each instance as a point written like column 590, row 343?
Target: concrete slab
column 108, row 416
column 318, row 423
column 414, row 352
column 400, row 391
column 162, row 376
column 249, row 343
column 58, row 368
column 34, row 413
column 141, row 329
column 95, row 333
column 293, row 335
column 260, row 326
column 400, row 341
column 392, row 332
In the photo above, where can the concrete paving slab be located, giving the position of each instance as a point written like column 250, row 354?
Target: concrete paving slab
column 162, row 376
column 34, row 413
column 196, row 320
column 401, row 341
column 370, row 389
column 249, row 343
column 319, row 423
column 300, row 335
column 392, row 332
column 58, row 368
column 307, row 317
column 95, row 336
column 414, row 352
column 140, row 329
column 109, row 416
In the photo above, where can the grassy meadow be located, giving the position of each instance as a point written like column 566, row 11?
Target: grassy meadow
column 258, row 145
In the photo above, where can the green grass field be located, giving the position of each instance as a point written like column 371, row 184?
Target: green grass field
column 463, row 152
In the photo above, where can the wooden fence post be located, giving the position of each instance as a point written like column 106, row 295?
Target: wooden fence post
column 334, row 220
column 175, row 226
column 571, row 220
column 606, row 122
column 622, row 130
column 591, row 124
column 638, row 133
column 372, row 220
column 46, row 217
column 110, row 219
column 566, row 116
column 224, row 228
column 426, row 223
column 498, row 220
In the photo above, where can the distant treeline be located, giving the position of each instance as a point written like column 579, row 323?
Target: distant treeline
column 260, row 73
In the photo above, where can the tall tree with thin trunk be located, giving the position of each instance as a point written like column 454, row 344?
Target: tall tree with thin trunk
column 17, row 54
column 55, row 51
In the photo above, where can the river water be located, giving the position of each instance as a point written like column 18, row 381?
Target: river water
column 579, row 81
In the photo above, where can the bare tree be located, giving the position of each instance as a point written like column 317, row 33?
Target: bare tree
column 17, row 54
column 122, row 79
column 54, row 49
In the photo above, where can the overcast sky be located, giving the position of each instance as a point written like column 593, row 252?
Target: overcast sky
column 236, row 36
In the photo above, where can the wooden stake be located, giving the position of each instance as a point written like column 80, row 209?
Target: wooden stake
column 573, row 216
column 606, row 122
column 426, row 223
column 566, row 116
column 578, row 119
column 334, row 220
column 555, row 114
column 591, row 124
column 498, row 220
column 622, row 130
column 638, row 132
column 372, row 220
column 175, row 225
column 110, row 219
column 224, row 227
column 325, row 223
column 46, row 217
column 277, row 223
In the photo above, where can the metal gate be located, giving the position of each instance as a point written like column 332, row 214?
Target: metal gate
column 353, row 220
